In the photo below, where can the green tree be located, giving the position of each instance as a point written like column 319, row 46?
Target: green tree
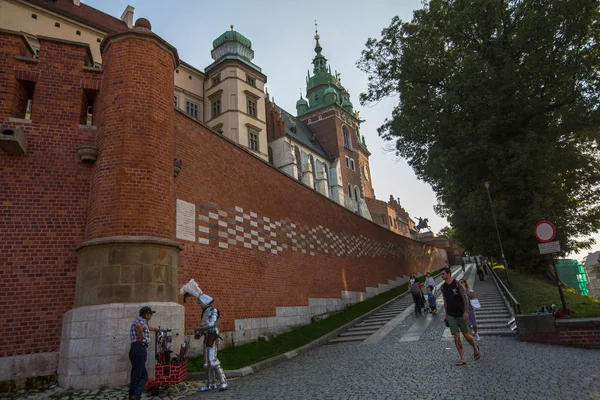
column 506, row 91
column 448, row 232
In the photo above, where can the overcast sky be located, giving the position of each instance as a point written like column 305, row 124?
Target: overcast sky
column 282, row 33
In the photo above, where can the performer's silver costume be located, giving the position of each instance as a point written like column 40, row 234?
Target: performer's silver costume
column 209, row 328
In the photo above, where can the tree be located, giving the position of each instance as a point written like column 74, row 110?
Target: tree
column 506, row 91
column 448, row 232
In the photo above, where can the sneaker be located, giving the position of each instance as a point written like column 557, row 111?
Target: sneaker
column 477, row 336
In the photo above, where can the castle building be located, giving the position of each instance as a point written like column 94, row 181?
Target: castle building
column 322, row 145
column 109, row 203
column 227, row 95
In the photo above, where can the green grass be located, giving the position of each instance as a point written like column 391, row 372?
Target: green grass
column 248, row 354
column 533, row 292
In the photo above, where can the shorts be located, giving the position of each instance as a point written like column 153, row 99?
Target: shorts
column 457, row 324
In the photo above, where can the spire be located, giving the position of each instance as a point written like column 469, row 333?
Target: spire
column 318, row 47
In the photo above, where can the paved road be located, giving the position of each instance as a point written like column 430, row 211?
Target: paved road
column 425, row 369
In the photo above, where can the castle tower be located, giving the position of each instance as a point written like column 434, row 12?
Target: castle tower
column 330, row 115
column 130, row 257
column 235, row 103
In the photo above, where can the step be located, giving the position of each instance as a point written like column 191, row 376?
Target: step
column 364, row 328
column 348, row 339
column 497, row 332
column 359, row 333
column 490, row 326
column 371, row 324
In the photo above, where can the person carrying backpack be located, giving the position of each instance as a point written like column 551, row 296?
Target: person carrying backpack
column 415, row 290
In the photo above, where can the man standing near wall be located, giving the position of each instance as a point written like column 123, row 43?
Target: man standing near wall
column 456, row 304
column 139, row 334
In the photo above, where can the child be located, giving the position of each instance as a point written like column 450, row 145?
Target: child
column 431, row 299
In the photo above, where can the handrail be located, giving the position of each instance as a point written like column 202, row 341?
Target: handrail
column 516, row 306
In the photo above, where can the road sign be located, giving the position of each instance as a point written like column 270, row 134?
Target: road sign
column 549, row 247
column 544, row 231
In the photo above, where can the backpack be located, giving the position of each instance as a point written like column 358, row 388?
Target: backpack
column 414, row 288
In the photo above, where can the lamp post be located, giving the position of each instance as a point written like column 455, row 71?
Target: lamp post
column 487, row 188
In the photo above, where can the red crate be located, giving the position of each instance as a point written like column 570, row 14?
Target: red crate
column 168, row 374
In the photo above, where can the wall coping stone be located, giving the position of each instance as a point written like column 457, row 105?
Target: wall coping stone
column 129, row 240
column 578, row 322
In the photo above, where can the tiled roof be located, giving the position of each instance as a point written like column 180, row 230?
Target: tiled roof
column 84, row 14
column 301, row 133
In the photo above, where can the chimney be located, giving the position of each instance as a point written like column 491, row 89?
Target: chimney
column 126, row 17
column 77, row 2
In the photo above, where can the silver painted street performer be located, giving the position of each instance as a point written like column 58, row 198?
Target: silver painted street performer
column 209, row 328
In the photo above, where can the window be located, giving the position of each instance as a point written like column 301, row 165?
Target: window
column 252, row 107
column 216, row 79
column 253, row 139
column 251, row 81
column 191, row 109
column 216, row 107
column 56, row 24
column 98, row 40
column 352, row 164
column 298, row 161
column 349, row 191
column 347, row 162
column 176, row 101
column 383, row 219
column 34, row 16
column 366, row 172
column 78, row 33
column 356, row 192
column 346, row 137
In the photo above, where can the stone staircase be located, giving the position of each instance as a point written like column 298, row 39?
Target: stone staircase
column 374, row 322
column 493, row 314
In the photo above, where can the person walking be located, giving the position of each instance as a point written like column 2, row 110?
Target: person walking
column 462, row 264
column 456, row 305
column 429, row 282
column 480, row 271
column 472, row 320
column 415, row 290
column 139, row 333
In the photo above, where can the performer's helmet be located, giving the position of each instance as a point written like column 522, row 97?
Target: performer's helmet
column 204, row 300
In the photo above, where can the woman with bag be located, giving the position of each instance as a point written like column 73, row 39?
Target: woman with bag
column 472, row 300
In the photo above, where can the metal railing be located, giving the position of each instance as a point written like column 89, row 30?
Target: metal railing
column 516, row 306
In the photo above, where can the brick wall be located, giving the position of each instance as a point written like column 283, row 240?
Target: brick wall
column 233, row 193
column 43, row 195
column 577, row 332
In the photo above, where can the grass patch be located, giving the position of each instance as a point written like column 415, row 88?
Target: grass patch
column 248, row 354
column 536, row 291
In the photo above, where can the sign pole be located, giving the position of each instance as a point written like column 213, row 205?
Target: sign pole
column 560, row 291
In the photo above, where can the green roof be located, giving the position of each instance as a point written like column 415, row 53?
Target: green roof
column 232, row 36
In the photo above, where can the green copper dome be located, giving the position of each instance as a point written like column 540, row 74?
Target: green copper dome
column 232, row 36
column 301, row 102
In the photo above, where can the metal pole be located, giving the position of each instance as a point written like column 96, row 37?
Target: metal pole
column 487, row 188
column 560, row 291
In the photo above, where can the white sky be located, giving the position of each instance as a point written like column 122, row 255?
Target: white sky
column 282, row 33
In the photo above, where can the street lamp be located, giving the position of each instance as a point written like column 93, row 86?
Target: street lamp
column 487, row 187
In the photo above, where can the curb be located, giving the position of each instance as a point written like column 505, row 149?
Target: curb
column 269, row 362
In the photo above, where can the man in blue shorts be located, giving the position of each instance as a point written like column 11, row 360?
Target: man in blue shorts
column 456, row 304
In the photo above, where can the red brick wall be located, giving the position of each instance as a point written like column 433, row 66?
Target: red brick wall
column 249, row 283
column 588, row 337
column 43, row 197
column 132, row 182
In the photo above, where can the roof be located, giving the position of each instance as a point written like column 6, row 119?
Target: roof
column 298, row 131
column 84, row 14
column 232, row 36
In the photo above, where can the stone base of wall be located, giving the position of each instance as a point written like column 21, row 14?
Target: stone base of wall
column 286, row 318
column 94, row 347
column 16, row 372
column 579, row 332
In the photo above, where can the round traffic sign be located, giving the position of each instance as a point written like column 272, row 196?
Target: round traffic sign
column 544, row 231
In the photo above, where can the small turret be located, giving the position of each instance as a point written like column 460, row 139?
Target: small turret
column 301, row 106
column 330, row 95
